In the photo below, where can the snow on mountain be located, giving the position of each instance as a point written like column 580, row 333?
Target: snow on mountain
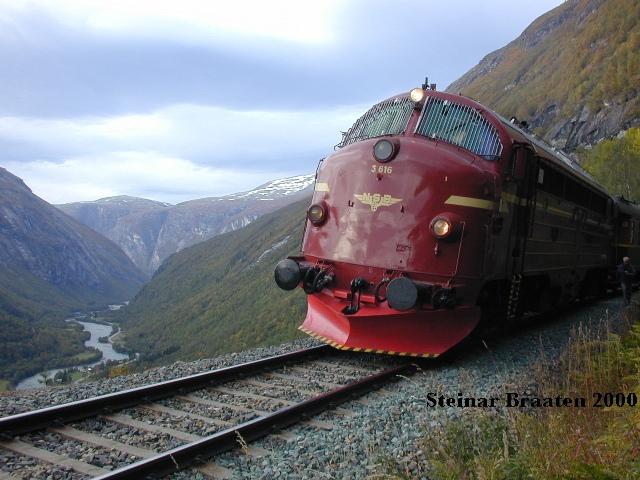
column 149, row 231
column 276, row 188
column 123, row 199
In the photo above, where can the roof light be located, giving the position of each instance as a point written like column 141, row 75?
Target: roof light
column 416, row 95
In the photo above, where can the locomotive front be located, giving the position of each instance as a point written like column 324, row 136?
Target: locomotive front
column 394, row 250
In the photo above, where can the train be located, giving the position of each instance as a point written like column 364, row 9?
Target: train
column 434, row 213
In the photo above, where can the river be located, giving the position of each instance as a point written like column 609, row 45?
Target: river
column 96, row 330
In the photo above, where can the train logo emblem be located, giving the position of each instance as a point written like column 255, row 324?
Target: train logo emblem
column 376, row 200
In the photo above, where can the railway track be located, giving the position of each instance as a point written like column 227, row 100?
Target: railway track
column 198, row 416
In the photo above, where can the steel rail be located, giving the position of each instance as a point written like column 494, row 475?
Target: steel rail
column 197, row 452
column 59, row 414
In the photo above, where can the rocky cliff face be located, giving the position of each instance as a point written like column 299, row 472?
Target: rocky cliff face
column 573, row 74
column 38, row 241
column 149, row 231
column 104, row 214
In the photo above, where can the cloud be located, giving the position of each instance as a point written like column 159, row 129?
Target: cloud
column 204, row 134
column 211, row 90
column 195, row 20
column 174, row 154
column 148, row 175
column 58, row 62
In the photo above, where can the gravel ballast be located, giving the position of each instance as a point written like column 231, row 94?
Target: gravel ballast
column 384, row 427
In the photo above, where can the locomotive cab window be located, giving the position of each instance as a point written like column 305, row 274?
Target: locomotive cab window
column 460, row 125
column 386, row 118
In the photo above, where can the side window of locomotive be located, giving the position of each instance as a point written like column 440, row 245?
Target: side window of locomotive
column 576, row 193
column 460, row 125
column 626, row 231
column 598, row 203
column 552, row 181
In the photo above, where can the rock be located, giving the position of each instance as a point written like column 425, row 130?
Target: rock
column 149, row 231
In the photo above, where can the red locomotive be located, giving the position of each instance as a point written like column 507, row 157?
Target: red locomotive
column 434, row 212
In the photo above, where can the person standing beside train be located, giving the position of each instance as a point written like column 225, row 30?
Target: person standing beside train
column 626, row 274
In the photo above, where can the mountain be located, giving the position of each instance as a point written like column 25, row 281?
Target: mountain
column 219, row 295
column 37, row 238
column 573, row 74
column 50, row 264
column 104, row 214
column 149, row 231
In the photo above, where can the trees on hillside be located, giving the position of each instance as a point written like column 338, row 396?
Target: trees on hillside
column 615, row 164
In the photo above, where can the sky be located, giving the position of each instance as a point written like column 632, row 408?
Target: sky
column 176, row 100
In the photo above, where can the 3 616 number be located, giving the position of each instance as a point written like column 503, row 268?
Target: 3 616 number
column 381, row 169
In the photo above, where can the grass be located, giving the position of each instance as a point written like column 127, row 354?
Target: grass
column 86, row 357
column 120, row 340
column 551, row 443
column 5, row 385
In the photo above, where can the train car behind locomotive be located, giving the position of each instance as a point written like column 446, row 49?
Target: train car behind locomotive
column 433, row 212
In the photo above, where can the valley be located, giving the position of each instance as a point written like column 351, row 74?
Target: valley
column 255, row 240
column 219, row 295
column 97, row 331
column 43, row 280
column 51, row 266
column 199, row 272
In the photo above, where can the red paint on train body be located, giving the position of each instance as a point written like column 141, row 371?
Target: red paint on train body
column 451, row 159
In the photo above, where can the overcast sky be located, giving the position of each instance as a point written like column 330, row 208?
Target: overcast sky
column 175, row 100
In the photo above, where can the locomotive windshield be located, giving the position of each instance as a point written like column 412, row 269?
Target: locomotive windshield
column 461, row 125
column 386, row 118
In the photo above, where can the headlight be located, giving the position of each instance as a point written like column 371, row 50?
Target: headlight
column 441, row 227
column 317, row 214
column 384, row 150
column 416, row 95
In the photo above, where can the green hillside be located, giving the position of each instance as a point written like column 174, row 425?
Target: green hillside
column 614, row 163
column 50, row 265
column 220, row 296
column 34, row 335
column 573, row 74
